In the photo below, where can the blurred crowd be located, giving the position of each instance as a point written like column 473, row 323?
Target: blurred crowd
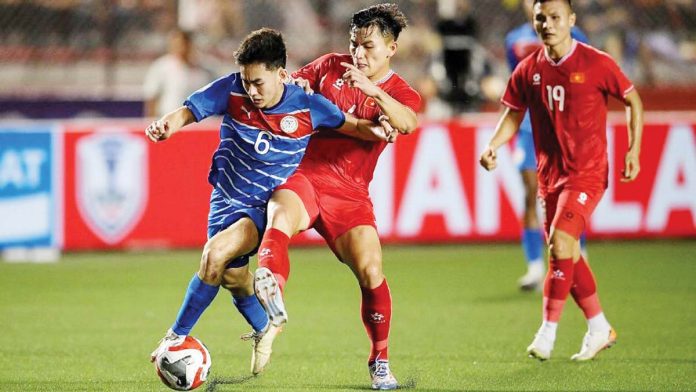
column 453, row 50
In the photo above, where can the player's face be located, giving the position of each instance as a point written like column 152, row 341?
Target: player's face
column 553, row 21
column 264, row 86
column 371, row 51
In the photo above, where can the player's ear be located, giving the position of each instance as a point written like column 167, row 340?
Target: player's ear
column 283, row 74
column 392, row 46
column 571, row 19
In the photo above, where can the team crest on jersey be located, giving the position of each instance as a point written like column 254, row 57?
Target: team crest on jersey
column 289, row 124
column 536, row 79
column 111, row 182
column 338, row 83
column 577, row 77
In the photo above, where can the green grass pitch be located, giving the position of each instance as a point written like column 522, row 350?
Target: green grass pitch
column 89, row 323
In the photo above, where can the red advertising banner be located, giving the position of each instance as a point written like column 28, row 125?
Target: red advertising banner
column 122, row 191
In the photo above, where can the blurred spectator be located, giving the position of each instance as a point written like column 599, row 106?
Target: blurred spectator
column 459, row 41
column 173, row 77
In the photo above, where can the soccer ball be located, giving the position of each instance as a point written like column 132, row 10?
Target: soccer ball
column 184, row 366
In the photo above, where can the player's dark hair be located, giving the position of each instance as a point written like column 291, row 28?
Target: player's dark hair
column 570, row 2
column 265, row 46
column 387, row 17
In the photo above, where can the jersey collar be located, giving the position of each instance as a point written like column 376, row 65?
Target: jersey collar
column 385, row 77
column 564, row 58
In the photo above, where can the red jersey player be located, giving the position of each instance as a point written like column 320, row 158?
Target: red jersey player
column 329, row 190
column 565, row 85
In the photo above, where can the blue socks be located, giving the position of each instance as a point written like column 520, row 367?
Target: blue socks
column 197, row 299
column 532, row 244
column 253, row 312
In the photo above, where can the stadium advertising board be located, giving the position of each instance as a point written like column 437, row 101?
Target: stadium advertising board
column 428, row 187
column 30, row 186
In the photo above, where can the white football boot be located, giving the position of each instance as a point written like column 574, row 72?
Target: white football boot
column 262, row 346
column 269, row 294
column 170, row 339
column 382, row 377
column 541, row 347
column 533, row 280
column 593, row 343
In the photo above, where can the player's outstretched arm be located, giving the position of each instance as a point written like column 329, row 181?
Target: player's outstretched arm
column 401, row 117
column 634, row 117
column 507, row 128
column 367, row 130
column 169, row 124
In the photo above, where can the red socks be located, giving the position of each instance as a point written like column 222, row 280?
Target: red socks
column 556, row 288
column 273, row 254
column 584, row 290
column 376, row 315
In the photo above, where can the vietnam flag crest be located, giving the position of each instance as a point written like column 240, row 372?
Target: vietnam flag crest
column 577, row 77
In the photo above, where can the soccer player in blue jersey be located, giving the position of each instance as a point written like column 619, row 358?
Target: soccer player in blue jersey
column 519, row 43
column 265, row 130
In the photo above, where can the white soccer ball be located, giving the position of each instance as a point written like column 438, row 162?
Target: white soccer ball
column 184, row 366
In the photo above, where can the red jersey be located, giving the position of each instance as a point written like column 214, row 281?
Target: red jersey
column 352, row 159
column 567, row 102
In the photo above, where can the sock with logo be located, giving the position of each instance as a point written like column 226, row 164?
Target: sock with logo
column 557, row 285
column 252, row 311
column 584, row 292
column 376, row 316
column 532, row 245
column 273, row 254
column 198, row 297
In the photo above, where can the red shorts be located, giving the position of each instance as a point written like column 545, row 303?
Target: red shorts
column 334, row 206
column 569, row 210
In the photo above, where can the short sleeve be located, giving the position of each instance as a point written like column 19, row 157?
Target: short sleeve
column 313, row 71
column 324, row 113
column 514, row 96
column 615, row 82
column 407, row 96
column 212, row 99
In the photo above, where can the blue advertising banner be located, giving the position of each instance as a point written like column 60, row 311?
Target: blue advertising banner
column 30, row 186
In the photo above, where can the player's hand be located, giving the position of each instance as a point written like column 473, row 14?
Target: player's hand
column 158, row 130
column 631, row 167
column 304, row 83
column 391, row 133
column 488, row 159
column 357, row 78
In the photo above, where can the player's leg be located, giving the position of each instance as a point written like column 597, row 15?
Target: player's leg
column 532, row 236
column 559, row 278
column 360, row 249
column 239, row 239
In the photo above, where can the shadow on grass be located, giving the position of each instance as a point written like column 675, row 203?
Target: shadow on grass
column 213, row 384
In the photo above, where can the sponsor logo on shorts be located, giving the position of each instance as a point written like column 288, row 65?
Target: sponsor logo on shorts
column 264, row 252
column 558, row 274
column 582, row 199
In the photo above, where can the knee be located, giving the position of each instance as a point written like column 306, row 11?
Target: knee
column 560, row 248
column 370, row 273
column 213, row 263
column 277, row 213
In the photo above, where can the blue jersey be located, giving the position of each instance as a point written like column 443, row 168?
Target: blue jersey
column 259, row 148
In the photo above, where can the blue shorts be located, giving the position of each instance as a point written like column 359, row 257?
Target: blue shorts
column 524, row 155
column 223, row 213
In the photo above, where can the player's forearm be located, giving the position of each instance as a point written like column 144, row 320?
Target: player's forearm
column 358, row 128
column 507, row 128
column 634, row 119
column 178, row 119
column 400, row 116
